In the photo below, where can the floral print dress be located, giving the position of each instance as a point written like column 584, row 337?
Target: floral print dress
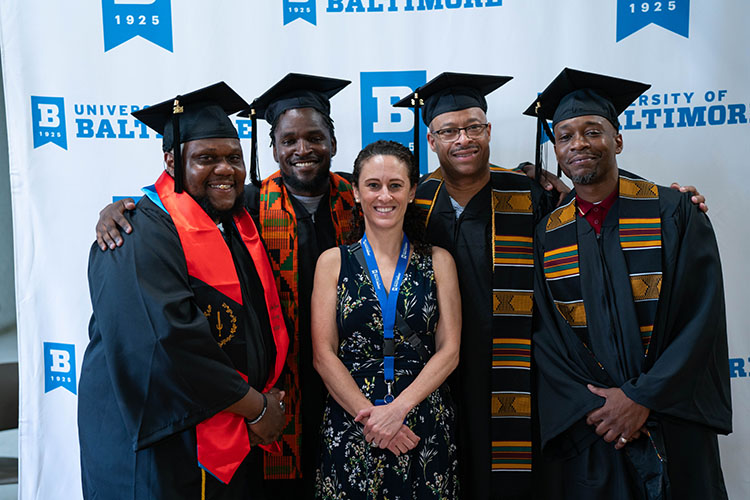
column 350, row 468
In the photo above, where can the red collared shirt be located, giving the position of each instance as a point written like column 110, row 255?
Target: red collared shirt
column 595, row 213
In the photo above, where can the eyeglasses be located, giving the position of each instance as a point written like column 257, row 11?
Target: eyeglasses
column 451, row 134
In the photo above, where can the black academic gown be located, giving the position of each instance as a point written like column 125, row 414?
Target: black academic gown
column 468, row 240
column 684, row 380
column 315, row 234
column 154, row 369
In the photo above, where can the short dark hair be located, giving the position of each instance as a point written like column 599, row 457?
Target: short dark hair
column 414, row 218
column 326, row 119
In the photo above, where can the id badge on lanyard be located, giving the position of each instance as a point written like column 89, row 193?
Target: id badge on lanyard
column 388, row 301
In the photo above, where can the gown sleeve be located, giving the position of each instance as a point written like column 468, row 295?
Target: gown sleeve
column 166, row 370
column 687, row 374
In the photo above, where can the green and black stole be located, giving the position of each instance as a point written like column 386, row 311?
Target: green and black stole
column 640, row 240
column 279, row 230
column 512, row 306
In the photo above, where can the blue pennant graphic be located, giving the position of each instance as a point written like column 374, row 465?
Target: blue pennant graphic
column 48, row 121
column 633, row 15
column 126, row 19
column 299, row 9
column 59, row 366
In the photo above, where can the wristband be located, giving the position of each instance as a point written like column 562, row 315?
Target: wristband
column 262, row 412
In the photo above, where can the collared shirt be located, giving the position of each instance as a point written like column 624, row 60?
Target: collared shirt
column 595, row 213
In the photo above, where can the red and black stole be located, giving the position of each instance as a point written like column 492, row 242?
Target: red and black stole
column 278, row 226
column 223, row 441
column 640, row 240
column 512, row 271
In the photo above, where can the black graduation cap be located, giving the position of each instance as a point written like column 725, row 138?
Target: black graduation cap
column 294, row 91
column 579, row 93
column 449, row 92
column 452, row 92
column 201, row 114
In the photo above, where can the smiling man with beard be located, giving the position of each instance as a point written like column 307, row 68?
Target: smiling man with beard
column 187, row 336
column 303, row 209
column 631, row 342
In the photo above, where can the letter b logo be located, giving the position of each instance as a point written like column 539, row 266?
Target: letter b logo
column 59, row 366
column 48, row 121
column 60, row 361
column 380, row 120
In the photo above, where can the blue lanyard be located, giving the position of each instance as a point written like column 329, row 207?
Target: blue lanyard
column 388, row 303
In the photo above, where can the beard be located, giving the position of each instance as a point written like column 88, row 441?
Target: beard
column 216, row 214
column 586, row 179
column 317, row 184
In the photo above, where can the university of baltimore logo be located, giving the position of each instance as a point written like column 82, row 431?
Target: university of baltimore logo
column 379, row 90
column 48, row 121
column 299, row 9
column 634, row 15
column 126, row 19
column 59, row 366
column 306, row 9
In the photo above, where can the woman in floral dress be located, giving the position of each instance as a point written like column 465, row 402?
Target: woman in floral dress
column 404, row 449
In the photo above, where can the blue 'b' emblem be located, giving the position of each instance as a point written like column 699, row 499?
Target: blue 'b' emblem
column 48, row 121
column 379, row 90
column 633, row 15
column 59, row 366
column 126, row 19
column 299, row 9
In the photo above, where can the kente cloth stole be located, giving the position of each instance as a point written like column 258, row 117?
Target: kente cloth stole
column 223, row 441
column 278, row 226
column 512, row 306
column 640, row 240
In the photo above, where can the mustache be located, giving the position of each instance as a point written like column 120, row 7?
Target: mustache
column 463, row 148
column 298, row 159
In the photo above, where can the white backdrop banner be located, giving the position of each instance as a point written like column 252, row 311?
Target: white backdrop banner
column 74, row 71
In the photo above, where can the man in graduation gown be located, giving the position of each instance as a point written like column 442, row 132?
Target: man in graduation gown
column 485, row 216
column 631, row 345
column 302, row 133
column 187, row 334
column 302, row 209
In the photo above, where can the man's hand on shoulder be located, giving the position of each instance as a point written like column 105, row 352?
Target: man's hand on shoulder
column 111, row 221
column 697, row 198
column 549, row 180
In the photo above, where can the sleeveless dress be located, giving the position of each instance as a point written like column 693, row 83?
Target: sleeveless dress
column 351, row 468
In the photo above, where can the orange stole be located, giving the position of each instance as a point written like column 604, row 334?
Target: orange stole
column 223, row 441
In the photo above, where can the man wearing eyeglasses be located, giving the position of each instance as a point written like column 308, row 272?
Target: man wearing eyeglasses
column 485, row 216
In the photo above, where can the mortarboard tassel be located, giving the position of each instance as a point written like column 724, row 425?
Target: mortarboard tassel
column 179, row 170
column 254, row 170
column 416, row 103
column 538, row 152
column 551, row 138
column 542, row 128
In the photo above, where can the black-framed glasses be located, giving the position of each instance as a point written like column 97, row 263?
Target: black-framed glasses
column 452, row 133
